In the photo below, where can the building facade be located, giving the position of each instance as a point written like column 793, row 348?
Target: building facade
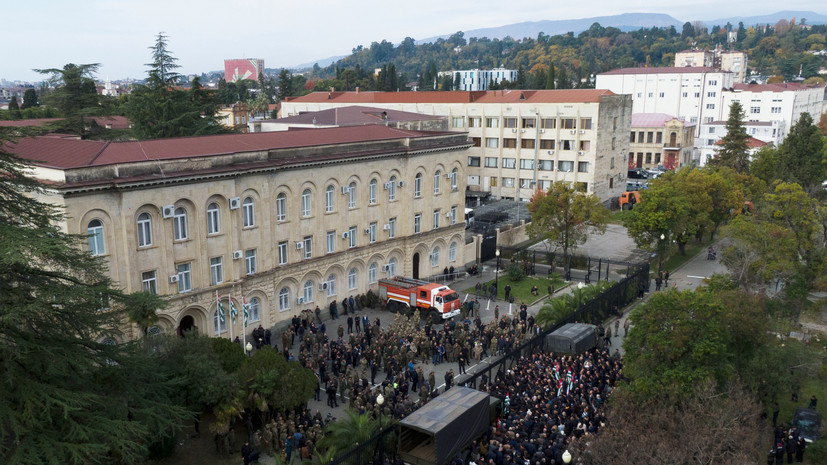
column 479, row 79
column 243, row 68
column 522, row 140
column 725, row 60
column 783, row 102
column 659, row 140
column 282, row 221
column 760, row 133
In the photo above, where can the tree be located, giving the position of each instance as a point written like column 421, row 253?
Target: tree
column 284, row 84
column 661, row 217
column 800, row 155
column 142, row 307
column 271, row 382
column 565, row 217
column 354, row 429
column 161, row 70
column 550, row 77
column 75, row 96
column 68, row 395
column 29, row 99
column 734, row 151
column 13, row 106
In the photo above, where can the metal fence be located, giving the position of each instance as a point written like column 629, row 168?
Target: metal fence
column 570, row 267
column 382, row 448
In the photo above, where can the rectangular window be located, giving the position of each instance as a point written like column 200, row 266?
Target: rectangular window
column 545, row 165
column 661, row 94
column 685, row 94
column 566, row 145
column 372, row 192
column 250, row 261
column 529, row 123
column 659, row 137
column 713, row 82
column 509, row 143
column 525, row 183
column 545, row 184
column 568, row 123
column 281, row 208
column 508, row 182
column 565, row 166
column 710, row 106
column 477, row 141
column 418, row 223
column 179, row 223
column 308, row 246
column 492, row 122
column 650, row 137
column 509, row 163
column 184, row 277
column 144, row 230
column 490, row 162
column 351, row 236
column 474, row 161
column 329, row 200
column 351, row 196
column 458, row 122
column 585, row 145
column 372, row 232
column 436, row 219
column 331, row 241
column 453, row 215
column 526, row 164
column 216, row 270
column 213, row 226
column 657, row 158
column 632, row 137
column 546, row 144
column 527, row 143
column 581, row 186
column 548, row 123
column 648, row 158
column 755, row 110
column 585, row 123
column 510, row 122
column 283, row 253
column 248, row 213
column 582, row 167
column 775, row 110
column 493, row 181
column 148, row 282
column 474, row 122
column 710, row 94
column 392, row 228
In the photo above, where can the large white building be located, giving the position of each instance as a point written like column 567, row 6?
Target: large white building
column 761, row 134
column 522, row 139
column 784, row 102
column 726, row 60
column 479, row 79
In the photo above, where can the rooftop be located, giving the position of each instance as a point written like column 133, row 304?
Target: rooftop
column 654, row 120
column 778, row 87
column 353, row 115
column 663, row 70
column 490, row 96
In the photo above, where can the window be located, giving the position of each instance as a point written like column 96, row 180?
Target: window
column 697, row 94
column 492, row 142
column 651, row 94
column 454, row 178
column 148, row 282
column 657, row 158
column 219, row 322
column 283, row 253
column 582, row 167
column 331, row 285
column 509, row 163
column 632, row 138
column 179, row 223
column 659, row 137
column 392, row 189
column 526, row 183
column 648, row 158
column 474, row 122
column 248, row 213
column 585, row 123
column 548, row 123
column 457, row 121
column 529, row 123
column 453, row 215
column 775, row 110
column 418, row 185
column 351, row 235
column 490, row 162
column 546, row 144
column 436, row 218
column 281, row 207
column 710, row 106
column 685, row 95
column 493, row 181
column 474, row 161
column 306, row 203
column 566, row 166
column 661, row 94
column 250, row 261
column 755, row 110
column 452, row 252
column 372, row 191
column 284, row 299
column 216, row 271
column 713, row 82
column 144, row 230
column 568, row 123
column 329, row 199
column 254, row 312
column 545, row 184
column 308, row 291
column 372, row 272
column 545, row 165
column 308, row 246
column 650, row 137
column 213, row 226
column 331, row 241
column 418, row 223
column 351, row 195
column 527, row 143
column 510, row 122
column 492, row 122
column 372, row 232
column 392, row 228
column 508, row 182
column 477, row 141
column 435, row 257
column 526, row 164
column 392, row 267
column 710, row 94
column 351, row 279
column 585, row 145
column 510, row 143
column 184, row 277
column 581, row 186
column 437, row 177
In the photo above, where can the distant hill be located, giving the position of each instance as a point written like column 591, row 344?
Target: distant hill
column 322, row 62
column 810, row 16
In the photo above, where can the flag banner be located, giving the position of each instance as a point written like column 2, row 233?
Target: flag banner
column 246, row 307
column 220, row 307
column 233, row 309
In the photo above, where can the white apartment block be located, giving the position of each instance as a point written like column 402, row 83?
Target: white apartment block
column 767, row 133
column 479, row 79
column 725, row 60
column 784, row 102
column 522, row 140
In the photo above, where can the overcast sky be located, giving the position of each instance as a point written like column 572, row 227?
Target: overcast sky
column 202, row 33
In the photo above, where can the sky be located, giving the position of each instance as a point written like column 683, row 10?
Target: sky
column 202, row 33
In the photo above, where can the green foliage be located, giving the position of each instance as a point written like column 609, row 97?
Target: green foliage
column 141, row 307
column 801, row 155
column 271, row 382
column 75, row 97
column 515, row 272
column 346, row 433
column 229, row 353
column 29, row 99
column 734, row 151
column 565, row 217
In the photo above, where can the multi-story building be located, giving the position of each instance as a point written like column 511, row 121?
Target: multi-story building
column 282, row 220
column 236, row 116
column 479, row 79
column 353, row 116
column 725, row 60
column 761, row 134
column 658, row 139
column 734, row 61
column 243, row 68
column 522, row 139
column 783, row 102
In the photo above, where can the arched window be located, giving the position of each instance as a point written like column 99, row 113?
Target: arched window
column 392, row 189
column 454, row 181
column 213, row 226
column 437, row 175
column 435, row 257
column 281, row 207
column 219, row 322
column 418, row 185
column 154, row 330
column 329, row 199
column 284, row 299
column 248, row 212
column 372, row 191
column 306, row 203
column 308, row 291
column 372, row 272
column 95, row 231
column 392, row 267
column 179, row 223
column 331, row 285
column 144, row 230
column 351, row 195
column 254, row 313
column 109, row 342
column 452, row 251
column 351, row 279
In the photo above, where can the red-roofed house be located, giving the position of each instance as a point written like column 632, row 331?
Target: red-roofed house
column 283, row 220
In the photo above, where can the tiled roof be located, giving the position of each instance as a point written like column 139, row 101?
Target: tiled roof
column 662, row 70
column 73, row 153
column 746, row 123
column 653, row 120
column 490, row 96
column 752, row 143
column 354, row 115
column 779, row 87
column 116, row 122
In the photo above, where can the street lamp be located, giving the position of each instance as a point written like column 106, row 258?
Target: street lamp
column 380, row 399
column 580, row 287
column 497, row 272
column 249, row 348
column 661, row 252
column 566, row 456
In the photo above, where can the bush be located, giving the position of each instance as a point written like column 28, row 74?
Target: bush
column 371, row 300
column 515, row 273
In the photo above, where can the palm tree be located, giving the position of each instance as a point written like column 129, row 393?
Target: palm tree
column 142, row 308
column 555, row 310
column 350, row 431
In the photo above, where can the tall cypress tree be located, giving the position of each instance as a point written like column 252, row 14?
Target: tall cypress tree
column 550, row 76
column 734, row 151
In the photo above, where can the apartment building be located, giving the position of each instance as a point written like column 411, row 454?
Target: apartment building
column 523, row 140
column 725, row 60
column 479, row 79
column 783, row 102
column 658, row 139
column 282, row 221
column 761, row 133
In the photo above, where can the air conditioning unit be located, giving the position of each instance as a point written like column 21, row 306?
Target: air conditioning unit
column 345, row 235
column 174, row 278
column 345, row 189
column 522, row 130
column 386, row 268
column 367, row 230
column 323, row 286
column 574, row 131
column 551, row 152
column 387, row 185
column 542, row 131
column 237, row 255
column 448, row 175
column 401, row 183
column 582, row 131
column 448, row 215
column 580, row 152
column 299, row 245
column 300, row 300
column 235, row 203
column 168, row 211
column 386, row 227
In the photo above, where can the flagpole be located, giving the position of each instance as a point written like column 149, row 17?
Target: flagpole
column 243, row 327
column 232, row 318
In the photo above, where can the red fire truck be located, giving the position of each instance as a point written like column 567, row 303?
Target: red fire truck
column 404, row 294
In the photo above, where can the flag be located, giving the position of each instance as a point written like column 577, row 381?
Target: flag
column 220, row 307
column 246, row 307
column 233, row 309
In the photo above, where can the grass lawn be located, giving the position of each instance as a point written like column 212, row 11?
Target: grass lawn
column 676, row 260
column 617, row 217
column 521, row 290
column 816, row 452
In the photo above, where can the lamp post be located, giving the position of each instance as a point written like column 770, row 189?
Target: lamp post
column 249, row 348
column 380, row 399
column 661, row 252
column 566, row 456
column 497, row 272
column 580, row 287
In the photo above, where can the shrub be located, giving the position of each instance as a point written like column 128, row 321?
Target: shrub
column 515, row 273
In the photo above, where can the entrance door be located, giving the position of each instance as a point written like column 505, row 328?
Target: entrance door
column 187, row 323
column 639, row 160
column 416, row 266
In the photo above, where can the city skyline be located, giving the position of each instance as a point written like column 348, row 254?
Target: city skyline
column 117, row 33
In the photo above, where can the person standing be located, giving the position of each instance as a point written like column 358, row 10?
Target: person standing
column 626, row 325
column 507, row 291
column 496, row 313
column 800, row 445
column 349, row 324
column 478, row 289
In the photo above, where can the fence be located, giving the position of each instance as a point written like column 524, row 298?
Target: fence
column 585, row 268
column 382, row 448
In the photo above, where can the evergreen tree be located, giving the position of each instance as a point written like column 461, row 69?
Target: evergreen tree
column 801, row 154
column 550, row 76
column 29, row 99
column 75, row 96
column 563, row 81
column 284, row 84
column 734, row 151
column 457, row 81
column 520, row 83
column 13, row 106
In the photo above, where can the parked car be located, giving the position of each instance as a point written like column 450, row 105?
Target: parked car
column 638, row 173
column 808, row 422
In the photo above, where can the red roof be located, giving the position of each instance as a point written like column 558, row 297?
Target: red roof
column 752, row 143
column 353, row 115
column 663, row 70
column 489, row 96
column 779, row 87
column 654, row 120
column 116, row 122
column 74, row 153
